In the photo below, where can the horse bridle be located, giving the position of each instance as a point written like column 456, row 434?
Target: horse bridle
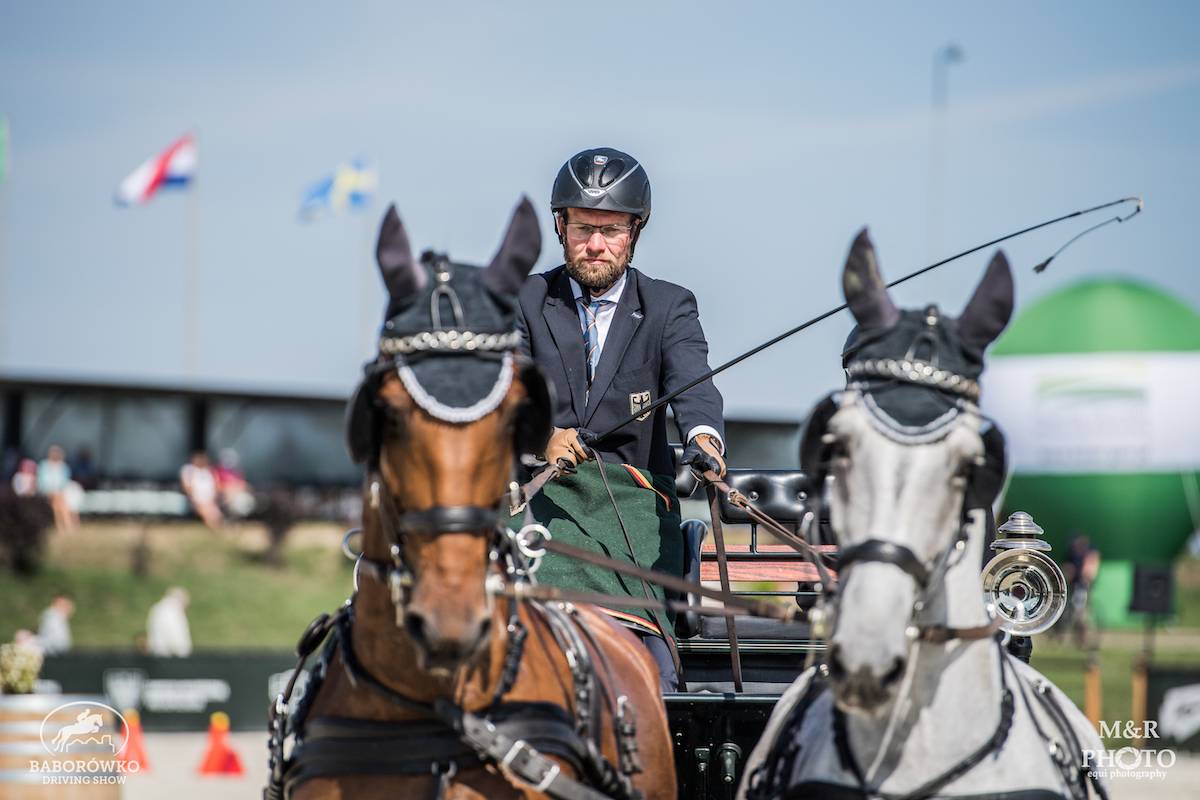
column 396, row 573
column 928, row 579
column 366, row 436
column 928, row 576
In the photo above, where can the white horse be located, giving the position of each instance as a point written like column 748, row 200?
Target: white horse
column 917, row 698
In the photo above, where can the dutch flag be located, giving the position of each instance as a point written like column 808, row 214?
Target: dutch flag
column 174, row 167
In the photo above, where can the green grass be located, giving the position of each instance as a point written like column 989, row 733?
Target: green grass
column 237, row 600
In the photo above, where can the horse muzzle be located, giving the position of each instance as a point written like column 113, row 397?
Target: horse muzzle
column 443, row 647
column 861, row 689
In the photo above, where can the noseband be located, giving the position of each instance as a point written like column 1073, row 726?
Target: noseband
column 884, row 552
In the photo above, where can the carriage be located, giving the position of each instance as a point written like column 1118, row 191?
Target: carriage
column 453, row 671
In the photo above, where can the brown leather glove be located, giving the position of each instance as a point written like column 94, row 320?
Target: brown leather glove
column 704, row 453
column 565, row 446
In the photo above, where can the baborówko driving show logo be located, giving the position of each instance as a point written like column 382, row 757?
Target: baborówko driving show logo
column 85, row 744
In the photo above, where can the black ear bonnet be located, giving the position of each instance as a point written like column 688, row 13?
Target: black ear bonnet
column 914, row 337
column 983, row 487
column 450, row 336
column 927, row 344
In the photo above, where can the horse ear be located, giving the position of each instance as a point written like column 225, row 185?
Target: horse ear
column 401, row 274
column 518, row 252
column 990, row 308
column 863, row 286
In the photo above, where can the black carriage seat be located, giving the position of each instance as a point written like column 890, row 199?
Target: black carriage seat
column 783, row 496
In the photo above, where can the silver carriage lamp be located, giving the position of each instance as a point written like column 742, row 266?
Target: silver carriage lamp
column 1023, row 584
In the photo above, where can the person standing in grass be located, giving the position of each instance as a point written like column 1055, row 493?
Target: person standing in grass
column 54, row 627
column 167, row 631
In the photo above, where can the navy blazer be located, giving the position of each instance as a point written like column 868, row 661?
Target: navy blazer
column 654, row 345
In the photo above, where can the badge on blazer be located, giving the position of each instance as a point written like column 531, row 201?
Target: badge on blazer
column 638, row 401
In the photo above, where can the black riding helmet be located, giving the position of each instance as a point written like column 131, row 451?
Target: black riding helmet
column 604, row 179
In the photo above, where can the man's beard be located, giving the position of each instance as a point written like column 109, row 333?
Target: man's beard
column 596, row 277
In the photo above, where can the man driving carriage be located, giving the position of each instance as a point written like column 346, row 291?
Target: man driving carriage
column 611, row 340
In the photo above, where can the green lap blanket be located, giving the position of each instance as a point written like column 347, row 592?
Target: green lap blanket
column 577, row 510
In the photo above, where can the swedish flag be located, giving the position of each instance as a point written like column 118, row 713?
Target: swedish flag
column 351, row 186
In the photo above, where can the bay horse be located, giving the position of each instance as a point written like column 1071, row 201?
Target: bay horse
column 917, row 696
column 433, row 682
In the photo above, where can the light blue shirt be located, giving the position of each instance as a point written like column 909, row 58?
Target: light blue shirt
column 604, row 318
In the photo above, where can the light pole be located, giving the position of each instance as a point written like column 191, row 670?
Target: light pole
column 942, row 59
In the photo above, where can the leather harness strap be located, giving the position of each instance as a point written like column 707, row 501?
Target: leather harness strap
column 516, row 737
column 448, row 519
column 756, row 607
column 1071, row 761
column 334, row 746
column 723, row 571
column 887, row 553
column 940, row 634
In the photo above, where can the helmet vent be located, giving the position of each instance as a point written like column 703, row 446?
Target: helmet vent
column 583, row 170
column 612, row 170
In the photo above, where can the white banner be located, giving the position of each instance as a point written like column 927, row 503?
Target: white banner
column 1097, row 412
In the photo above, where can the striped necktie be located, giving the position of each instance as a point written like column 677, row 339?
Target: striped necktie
column 591, row 334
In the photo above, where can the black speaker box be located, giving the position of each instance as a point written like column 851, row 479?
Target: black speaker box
column 1153, row 589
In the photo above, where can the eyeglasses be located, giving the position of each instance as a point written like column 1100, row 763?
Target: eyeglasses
column 581, row 231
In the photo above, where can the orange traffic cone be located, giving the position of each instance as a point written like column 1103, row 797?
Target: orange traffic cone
column 133, row 756
column 220, row 758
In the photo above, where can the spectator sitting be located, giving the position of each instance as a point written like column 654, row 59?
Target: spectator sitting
column 167, row 632
column 54, row 481
column 235, row 493
column 200, row 486
column 54, row 628
column 25, row 479
column 83, row 470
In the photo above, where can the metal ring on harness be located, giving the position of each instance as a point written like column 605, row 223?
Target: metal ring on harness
column 346, row 549
column 531, row 541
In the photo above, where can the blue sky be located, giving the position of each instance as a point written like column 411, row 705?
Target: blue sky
column 771, row 133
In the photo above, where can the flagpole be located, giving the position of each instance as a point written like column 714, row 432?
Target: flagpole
column 364, row 283
column 5, row 149
column 366, row 312
column 192, row 279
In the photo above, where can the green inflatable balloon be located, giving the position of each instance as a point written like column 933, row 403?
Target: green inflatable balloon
column 1096, row 388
